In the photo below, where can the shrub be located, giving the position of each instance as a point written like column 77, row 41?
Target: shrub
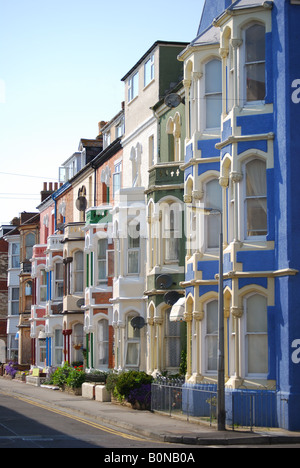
column 75, row 378
column 59, row 376
column 128, row 381
column 111, row 381
column 141, row 395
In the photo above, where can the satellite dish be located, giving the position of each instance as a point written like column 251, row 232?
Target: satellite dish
column 80, row 302
column 81, row 203
column 164, row 281
column 172, row 100
column 137, row 322
column 171, row 297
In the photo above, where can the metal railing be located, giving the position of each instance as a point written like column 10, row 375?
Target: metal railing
column 244, row 408
column 253, row 409
column 175, row 398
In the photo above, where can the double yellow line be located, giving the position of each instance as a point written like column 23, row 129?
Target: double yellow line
column 76, row 418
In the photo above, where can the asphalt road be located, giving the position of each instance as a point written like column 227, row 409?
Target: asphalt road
column 25, row 423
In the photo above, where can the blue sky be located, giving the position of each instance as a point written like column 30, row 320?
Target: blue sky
column 61, row 64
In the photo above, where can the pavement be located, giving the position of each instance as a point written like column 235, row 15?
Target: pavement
column 151, row 425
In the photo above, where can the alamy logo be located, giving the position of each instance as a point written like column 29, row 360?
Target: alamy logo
column 296, row 353
column 296, row 93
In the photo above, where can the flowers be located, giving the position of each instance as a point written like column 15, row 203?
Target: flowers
column 10, row 369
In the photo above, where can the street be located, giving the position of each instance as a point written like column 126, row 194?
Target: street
column 29, row 421
column 28, row 424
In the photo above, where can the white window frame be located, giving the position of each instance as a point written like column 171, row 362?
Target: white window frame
column 133, row 86
column 171, row 226
column 205, row 337
column 57, row 282
column 149, row 70
column 245, row 335
column 117, row 177
column 133, row 250
column 42, row 286
column 243, row 209
column 209, row 94
column 15, row 255
column 57, row 348
column 78, row 271
column 102, row 260
column 134, row 341
column 102, row 343
column 28, row 245
column 168, row 336
column 243, row 74
column 14, row 301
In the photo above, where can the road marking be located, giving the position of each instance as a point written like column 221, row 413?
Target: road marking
column 76, row 418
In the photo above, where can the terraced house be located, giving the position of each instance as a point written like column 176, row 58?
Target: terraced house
column 198, row 171
column 241, row 140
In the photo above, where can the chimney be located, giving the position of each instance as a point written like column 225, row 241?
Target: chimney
column 48, row 190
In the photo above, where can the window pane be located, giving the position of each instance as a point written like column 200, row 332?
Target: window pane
column 79, row 260
column 15, row 294
column 257, row 354
column 255, row 63
column 213, row 200
column 257, row 314
column 213, row 92
column 132, row 332
column 257, row 337
column 172, row 336
column 213, row 111
column 256, row 181
column 255, row 43
column 103, row 344
column 256, row 217
column 15, row 308
column 59, row 271
column 133, row 236
column 212, row 343
column 43, row 294
column 211, row 335
column 212, row 318
column 213, row 80
column 132, row 355
column 133, row 261
column 58, row 338
column 256, row 190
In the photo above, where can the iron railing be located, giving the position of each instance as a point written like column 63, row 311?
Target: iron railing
column 244, row 408
column 175, row 398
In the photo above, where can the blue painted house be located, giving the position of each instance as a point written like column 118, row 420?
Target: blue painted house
column 242, row 95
